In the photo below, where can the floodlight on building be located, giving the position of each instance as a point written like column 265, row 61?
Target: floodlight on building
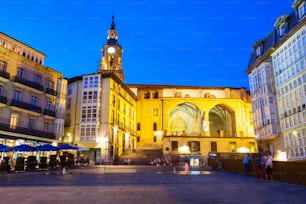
column 280, row 156
column 184, row 149
column 243, row 150
column 158, row 133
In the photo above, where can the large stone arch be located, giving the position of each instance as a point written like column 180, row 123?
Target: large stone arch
column 185, row 119
column 222, row 121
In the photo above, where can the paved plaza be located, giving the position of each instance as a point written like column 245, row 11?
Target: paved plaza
column 142, row 184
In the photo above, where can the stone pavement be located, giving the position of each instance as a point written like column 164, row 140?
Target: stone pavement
column 141, row 185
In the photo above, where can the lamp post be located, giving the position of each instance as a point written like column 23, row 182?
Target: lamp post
column 115, row 142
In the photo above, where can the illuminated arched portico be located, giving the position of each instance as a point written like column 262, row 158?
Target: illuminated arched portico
column 222, row 121
column 185, row 119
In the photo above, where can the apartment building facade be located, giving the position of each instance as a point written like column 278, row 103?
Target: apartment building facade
column 32, row 96
column 277, row 79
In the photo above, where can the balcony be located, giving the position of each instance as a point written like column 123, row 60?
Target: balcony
column 50, row 91
column 49, row 112
column 27, row 131
column 26, row 106
column 3, row 99
column 4, row 74
column 29, row 83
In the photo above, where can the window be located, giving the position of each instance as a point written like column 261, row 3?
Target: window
column 302, row 10
column 147, row 95
column 138, row 126
column 3, row 66
column 69, row 91
column 88, row 133
column 68, row 104
column 17, row 95
column 36, row 79
column 194, row 146
column 49, row 105
column 91, row 82
column 34, row 100
column 89, row 114
column 259, row 50
column 51, row 84
column 213, row 146
column 46, row 127
column 155, row 94
column 282, row 30
column 174, row 146
column 20, row 72
column 31, row 123
column 154, row 126
column 14, row 121
column 1, row 89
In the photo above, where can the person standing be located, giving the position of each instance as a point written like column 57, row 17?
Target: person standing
column 246, row 163
column 259, row 163
column 269, row 166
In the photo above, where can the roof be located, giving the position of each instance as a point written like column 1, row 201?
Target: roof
column 23, row 43
column 273, row 39
column 180, row 86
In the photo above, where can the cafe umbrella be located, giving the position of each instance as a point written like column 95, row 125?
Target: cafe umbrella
column 4, row 148
column 67, row 147
column 25, row 148
column 47, row 147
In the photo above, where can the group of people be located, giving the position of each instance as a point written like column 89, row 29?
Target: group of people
column 263, row 162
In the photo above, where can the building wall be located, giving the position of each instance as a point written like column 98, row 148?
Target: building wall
column 284, row 48
column 161, row 118
column 29, row 92
column 290, row 77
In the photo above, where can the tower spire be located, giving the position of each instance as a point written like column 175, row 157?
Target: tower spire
column 113, row 25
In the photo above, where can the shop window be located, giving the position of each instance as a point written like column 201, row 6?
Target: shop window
column 213, row 146
column 174, row 146
column 194, row 146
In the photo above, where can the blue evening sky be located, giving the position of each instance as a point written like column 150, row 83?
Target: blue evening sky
column 174, row 42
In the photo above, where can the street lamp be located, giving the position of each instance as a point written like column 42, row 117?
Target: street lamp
column 115, row 129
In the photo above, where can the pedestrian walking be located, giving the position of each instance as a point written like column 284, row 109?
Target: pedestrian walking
column 269, row 166
column 259, row 164
column 246, row 163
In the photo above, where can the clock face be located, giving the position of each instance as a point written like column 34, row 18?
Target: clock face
column 111, row 50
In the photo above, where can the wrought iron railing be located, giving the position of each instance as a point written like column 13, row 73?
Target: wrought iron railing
column 26, row 131
column 50, row 91
column 26, row 106
column 29, row 83
column 3, row 99
column 49, row 112
column 4, row 74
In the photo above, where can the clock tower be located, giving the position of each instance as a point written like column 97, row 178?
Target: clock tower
column 112, row 53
